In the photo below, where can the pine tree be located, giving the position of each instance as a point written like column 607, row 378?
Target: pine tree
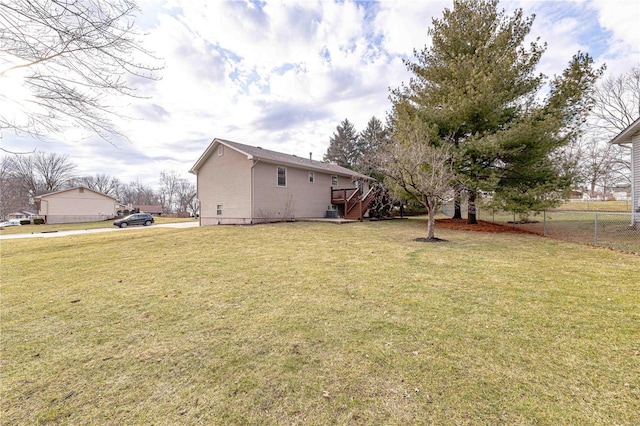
column 477, row 84
column 343, row 149
column 369, row 142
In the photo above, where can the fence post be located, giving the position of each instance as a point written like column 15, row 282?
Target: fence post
column 544, row 223
column 595, row 230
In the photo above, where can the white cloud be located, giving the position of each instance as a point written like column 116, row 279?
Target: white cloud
column 284, row 74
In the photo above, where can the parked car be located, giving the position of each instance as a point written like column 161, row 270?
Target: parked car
column 134, row 219
column 10, row 222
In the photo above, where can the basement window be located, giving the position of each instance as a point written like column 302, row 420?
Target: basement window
column 282, row 176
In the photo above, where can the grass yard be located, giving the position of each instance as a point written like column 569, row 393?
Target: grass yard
column 599, row 206
column 34, row 229
column 613, row 229
column 315, row 323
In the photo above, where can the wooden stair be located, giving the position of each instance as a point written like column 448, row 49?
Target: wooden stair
column 351, row 203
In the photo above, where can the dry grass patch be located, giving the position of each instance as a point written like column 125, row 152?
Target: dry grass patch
column 305, row 323
column 599, row 206
column 36, row 229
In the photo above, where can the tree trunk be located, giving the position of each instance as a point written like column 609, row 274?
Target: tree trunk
column 457, row 205
column 471, row 210
column 431, row 223
column 431, row 213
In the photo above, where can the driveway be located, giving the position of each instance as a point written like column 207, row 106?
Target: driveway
column 95, row 231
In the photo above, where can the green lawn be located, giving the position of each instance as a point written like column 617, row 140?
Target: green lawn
column 315, row 323
column 598, row 206
column 34, row 229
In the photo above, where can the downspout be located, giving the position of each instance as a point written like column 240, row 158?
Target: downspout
column 252, row 190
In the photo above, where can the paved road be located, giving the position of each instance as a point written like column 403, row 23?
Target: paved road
column 94, row 231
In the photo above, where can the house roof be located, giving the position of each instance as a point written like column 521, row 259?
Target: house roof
column 72, row 189
column 627, row 134
column 26, row 211
column 149, row 208
column 258, row 153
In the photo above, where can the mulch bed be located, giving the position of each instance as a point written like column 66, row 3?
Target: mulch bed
column 481, row 226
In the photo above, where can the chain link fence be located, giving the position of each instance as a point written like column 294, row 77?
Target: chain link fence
column 620, row 231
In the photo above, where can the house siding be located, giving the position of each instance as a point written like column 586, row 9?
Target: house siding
column 74, row 206
column 244, row 182
column 299, row 199
column 225, row 180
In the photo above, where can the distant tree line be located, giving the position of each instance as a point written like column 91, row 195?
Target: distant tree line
column 26, row 176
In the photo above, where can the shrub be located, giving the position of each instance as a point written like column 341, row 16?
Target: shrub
column 25, row 222
column 38, row 221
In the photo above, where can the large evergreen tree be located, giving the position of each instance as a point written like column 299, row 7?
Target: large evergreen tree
column 343, row 149
column 477, row 84
column 369, row 142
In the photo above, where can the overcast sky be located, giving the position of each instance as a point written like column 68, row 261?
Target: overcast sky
column 284, row 74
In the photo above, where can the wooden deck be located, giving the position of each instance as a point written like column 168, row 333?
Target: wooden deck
column 351, row 203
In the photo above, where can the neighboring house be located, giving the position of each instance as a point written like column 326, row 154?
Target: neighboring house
column 242, row 184
column 621, row 192
column 78, row 204
column 122, row 208
column 24, row 214
column 155, row 209
column 631, row 135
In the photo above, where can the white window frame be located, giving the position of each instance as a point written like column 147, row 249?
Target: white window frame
column 312, row 178
column 334, row 180
column 278, row 176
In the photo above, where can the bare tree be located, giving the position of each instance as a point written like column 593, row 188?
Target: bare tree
column 55, row 171
column 617, row 103
column 39, row 173
column 63, row 60
column 415, row 165
column 600, row 165
column 185, row 195
column 103, row 183
column 22, row 171
column 12, row 195
column 138, row 193
column 169, row 182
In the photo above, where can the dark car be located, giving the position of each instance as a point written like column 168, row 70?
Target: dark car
column 134, row 219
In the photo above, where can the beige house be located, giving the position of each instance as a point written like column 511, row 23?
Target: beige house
column 24, row 214
column 242, row 184
column 631, row 135
column 77, row 204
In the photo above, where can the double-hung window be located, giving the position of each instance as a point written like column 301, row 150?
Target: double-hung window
column 282, row 176
column 334, row 180
column 311, row 177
